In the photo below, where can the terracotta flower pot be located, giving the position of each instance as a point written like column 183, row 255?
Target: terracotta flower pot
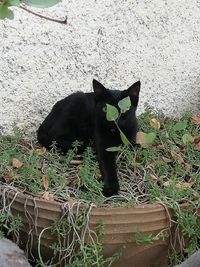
column 120, row 224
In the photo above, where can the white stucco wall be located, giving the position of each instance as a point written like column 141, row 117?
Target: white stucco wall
column 116, row 41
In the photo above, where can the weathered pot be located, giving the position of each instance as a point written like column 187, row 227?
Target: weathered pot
column 120, row 224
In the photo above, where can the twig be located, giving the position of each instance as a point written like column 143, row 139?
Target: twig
column 44, row 17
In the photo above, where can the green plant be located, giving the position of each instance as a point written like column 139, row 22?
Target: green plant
column 140, row 238
column 165, row 171
column 94, row 253
column 112, row 114
column 75, row 251
column 188, row 229
column 7, row 12
column 10, row 225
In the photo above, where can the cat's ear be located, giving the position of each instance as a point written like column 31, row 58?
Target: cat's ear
column 133, row 91
column 99, row 90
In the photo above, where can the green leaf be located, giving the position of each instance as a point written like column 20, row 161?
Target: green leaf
column 5, row 12
column 149, row 138
column 13, row 2
column 187, row 138
column 124, row 104
column 124, row 138
column 111, row 113
column 179, row 126
column 41, row 3
column 113, row 149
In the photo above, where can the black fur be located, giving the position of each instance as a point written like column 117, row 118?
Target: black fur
column 80, row 116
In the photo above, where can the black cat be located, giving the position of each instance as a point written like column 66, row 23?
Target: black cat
column 81, row 116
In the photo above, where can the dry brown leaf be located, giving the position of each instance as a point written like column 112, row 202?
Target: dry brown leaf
column 8, row 177
column 196, row 120
column 45, row 181
column 154, row 123
column 154, row 178
column 167, row 160
column 197, row 147
column 47, row 196
column 140, row 138
column 196, row 139
column 16, row 163
column 41, row 151
column 160, row 147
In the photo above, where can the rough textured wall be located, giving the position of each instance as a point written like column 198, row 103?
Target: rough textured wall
column 116, row 41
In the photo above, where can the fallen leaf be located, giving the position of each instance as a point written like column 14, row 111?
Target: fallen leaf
column 144, row 139
column 167, row 160
column 8, row 177
column 196, row 139
column 45, row 181
column 196, row 120
column 140, row 138
column 154, row 178
column 47, row 196
column 41, row 151
column 16, row 163
column 197, row 147
column 154, row 123
column 160, row 147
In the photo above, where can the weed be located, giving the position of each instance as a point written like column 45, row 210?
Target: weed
column 139, row 238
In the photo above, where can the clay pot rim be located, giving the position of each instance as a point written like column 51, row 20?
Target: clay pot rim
column 58, row 205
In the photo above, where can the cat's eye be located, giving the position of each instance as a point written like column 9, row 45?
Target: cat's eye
column 104, row 109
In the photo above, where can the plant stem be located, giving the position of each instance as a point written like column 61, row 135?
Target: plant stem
column 44, row 17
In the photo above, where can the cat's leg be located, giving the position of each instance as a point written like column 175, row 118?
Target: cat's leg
column 108, row 171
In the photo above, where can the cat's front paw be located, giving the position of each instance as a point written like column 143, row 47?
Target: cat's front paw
column 110, row 190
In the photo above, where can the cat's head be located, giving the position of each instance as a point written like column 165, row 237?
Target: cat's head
column 105, row 96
